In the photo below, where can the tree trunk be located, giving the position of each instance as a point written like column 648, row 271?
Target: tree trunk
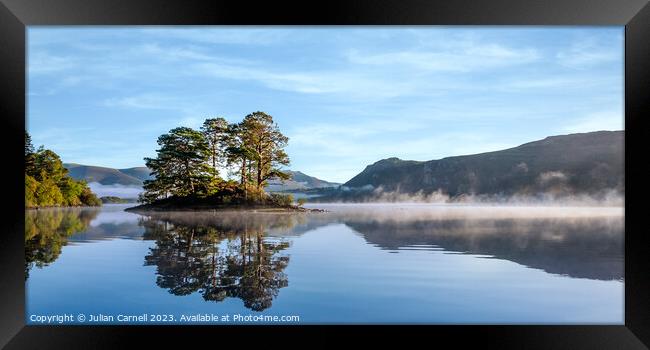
column 243, row 178
column 259, row 175
column 189, row 177
column 214, row 162
column 243, row 171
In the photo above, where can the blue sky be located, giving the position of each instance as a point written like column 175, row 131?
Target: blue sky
column 345, row 96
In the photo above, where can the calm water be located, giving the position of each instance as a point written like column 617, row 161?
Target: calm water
column 395, row 263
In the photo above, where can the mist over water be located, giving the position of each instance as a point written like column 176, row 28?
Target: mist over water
column 116, row 190
column 606, row 197
column 353, row 263
column 465, row 211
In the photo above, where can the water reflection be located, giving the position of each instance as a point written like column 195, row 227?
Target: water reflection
column 219, row 256
column 580, row 248
column 580, row 242
column 239, row 254
column 246, row 255
column 48, row 230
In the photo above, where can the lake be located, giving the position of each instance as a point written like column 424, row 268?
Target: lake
column 355, row 263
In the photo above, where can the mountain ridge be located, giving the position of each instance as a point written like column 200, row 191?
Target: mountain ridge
column 573, row 163
column 108, row 176
column 299, row 181
column 135, row 176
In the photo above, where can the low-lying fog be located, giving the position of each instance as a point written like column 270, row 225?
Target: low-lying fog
column 606, row 197
column 121, row 191
column 468, row 211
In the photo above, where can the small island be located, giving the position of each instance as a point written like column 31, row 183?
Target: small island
column 187, row 171
column 114, row 200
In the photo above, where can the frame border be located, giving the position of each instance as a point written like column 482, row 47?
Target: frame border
column 15, row 15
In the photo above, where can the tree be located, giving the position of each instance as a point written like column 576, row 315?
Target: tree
column 71, row 190
column 87, row 197
column 47, row 162
column 238, row 153
column 47, row 182
column 216, row 134
column 30, row 192
column 29, row 155
column 180, row 167
column 48, row 193
column 187, row 162
column 162, row 185
column 266, row 143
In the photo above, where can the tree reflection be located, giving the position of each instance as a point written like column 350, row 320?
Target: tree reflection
column 225, row 258
column 48, row 230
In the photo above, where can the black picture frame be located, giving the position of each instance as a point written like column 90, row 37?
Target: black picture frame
column 15, row 15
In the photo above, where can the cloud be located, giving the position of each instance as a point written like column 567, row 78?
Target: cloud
column 560, row 83
column 346, row 97
column 550, row 176
column 597, row 121
column 353, row 83
column 42, row 62
column 464, row 57
column 143, row 101
column 222, row 35
column 184, row 112
column 170, row 53
column 588, row 53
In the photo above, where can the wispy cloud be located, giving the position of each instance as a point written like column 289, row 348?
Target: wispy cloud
column 389, row 138
column 222, row 35
column 42, row 62
column 145, row 101
column 605, row 120
column 463, row 57
column 310, row 82
column 346, row 97
column 587, row 53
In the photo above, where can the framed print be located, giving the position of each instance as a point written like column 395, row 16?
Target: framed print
column 211, row 170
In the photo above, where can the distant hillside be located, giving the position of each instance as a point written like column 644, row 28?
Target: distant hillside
column 142, row 173
column 136, row 176
column 568, row 164
column 298, row 181
column 108, row 176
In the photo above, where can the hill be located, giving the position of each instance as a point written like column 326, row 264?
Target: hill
column 108, row 176
column 586, row 163
column 298, row 181
column 142, row 173
column 136, row 176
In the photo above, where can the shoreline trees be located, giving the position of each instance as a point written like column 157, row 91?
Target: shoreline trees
column 47, row 183
column 189, row 161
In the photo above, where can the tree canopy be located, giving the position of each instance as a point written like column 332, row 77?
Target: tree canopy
column 181, row 167
column 47, row 183
column 189, row 162
column 215, row 131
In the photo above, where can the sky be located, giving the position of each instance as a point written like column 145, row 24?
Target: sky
column 345, row 96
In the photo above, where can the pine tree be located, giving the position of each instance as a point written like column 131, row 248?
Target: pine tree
column 265, row 141
column 215, row 131
column 180, row 167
